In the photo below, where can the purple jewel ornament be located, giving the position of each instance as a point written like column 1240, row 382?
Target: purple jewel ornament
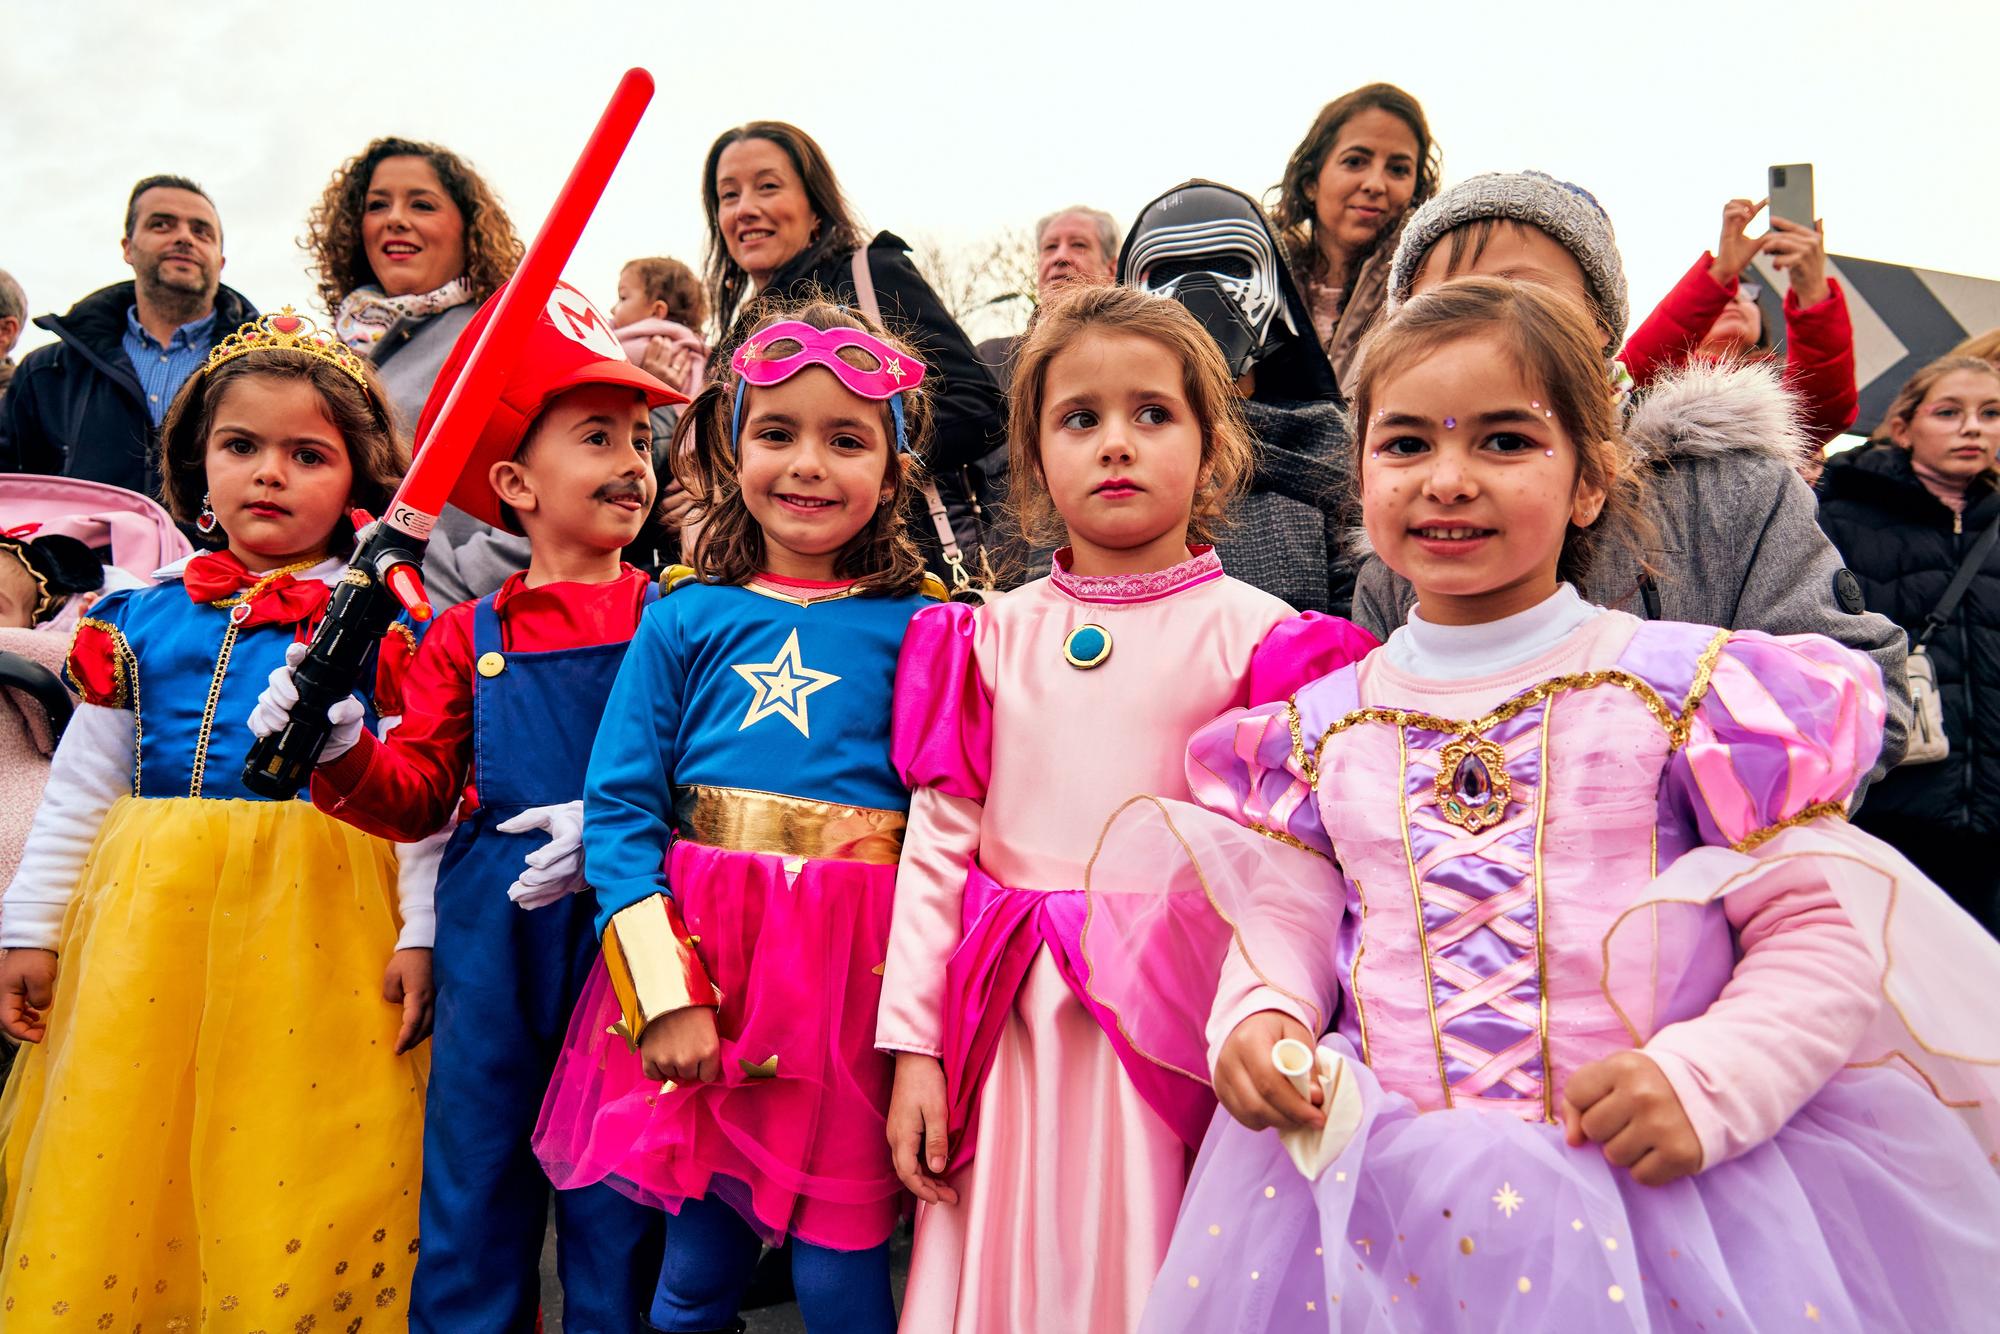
column 1472, row 783
column 1450, row 423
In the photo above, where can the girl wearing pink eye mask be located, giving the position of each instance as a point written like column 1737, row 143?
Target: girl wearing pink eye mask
column 742, row 823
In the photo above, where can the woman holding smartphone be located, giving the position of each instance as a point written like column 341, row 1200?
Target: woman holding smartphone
column 1713, row 313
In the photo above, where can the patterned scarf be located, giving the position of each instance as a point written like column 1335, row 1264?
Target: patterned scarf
column 367, row 313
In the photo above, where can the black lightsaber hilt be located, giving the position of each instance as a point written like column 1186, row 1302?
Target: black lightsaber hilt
column 356, row 619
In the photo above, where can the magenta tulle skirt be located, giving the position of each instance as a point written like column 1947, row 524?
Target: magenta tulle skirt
column 796, row 1146
column 1872, row 1210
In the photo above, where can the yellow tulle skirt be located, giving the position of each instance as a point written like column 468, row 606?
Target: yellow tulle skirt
column 216, row 1133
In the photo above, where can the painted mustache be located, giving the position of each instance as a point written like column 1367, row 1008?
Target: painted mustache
column 625, row 490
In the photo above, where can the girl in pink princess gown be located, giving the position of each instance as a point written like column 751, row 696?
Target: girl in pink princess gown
column 1047, row 1154
column 1623, row 1026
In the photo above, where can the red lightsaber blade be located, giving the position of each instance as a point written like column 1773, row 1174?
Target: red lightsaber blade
column 441, row 456
column 383, row 572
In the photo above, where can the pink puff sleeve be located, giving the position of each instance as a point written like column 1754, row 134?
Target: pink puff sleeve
column 941, row 730
column 1787, row 728
column 941, row 741
column 1240, row 766
column 1301, row 649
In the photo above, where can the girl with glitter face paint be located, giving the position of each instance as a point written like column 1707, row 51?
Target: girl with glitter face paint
column 1048, row 1155
column 1557, row 992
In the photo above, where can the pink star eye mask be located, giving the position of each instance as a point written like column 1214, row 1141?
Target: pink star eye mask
column 886, row 375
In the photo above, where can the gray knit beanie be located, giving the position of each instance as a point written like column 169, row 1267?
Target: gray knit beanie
column 1569, row 213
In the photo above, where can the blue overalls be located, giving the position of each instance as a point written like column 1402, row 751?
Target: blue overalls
column 507, row 979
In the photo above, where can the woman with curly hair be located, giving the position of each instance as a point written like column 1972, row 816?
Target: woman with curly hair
column 1366, row 162
column 408, row 240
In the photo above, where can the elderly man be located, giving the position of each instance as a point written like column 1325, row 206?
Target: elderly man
column 13, row 314
column 89, row 404
column 1075, row 245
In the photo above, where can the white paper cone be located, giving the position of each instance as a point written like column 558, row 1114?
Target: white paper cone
column 1311, row 1150
column 1294, row 1060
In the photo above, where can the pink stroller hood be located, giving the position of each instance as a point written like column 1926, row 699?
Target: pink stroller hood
column 140, row 535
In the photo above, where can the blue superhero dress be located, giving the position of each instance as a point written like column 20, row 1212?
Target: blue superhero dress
column 742, row 824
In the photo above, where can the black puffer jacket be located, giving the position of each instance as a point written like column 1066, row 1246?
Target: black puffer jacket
column 1904, row 545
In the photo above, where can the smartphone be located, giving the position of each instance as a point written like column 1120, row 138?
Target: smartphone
column 1792, row 192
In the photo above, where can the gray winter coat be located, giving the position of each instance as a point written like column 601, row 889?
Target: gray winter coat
column 1738, row 540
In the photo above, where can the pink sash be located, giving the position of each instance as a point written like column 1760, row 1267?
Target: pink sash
column 1004, row 930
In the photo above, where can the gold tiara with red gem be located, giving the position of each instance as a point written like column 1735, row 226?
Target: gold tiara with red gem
column 288, row 331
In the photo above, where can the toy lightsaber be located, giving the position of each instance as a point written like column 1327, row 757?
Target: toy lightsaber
column 383, row 573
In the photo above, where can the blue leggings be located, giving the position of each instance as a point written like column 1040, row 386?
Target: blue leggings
column 712, row 1252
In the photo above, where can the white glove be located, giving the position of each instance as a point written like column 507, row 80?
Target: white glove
column 274, row 706
column 555, row 869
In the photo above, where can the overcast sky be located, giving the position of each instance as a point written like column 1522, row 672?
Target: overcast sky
column 955, row 120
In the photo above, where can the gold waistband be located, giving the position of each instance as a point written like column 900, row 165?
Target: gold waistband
column 742, row 820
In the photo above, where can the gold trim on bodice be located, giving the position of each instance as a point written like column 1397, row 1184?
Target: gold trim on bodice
column 230, row 603
column 1455, row 807
column 743, row 820
column 1677, row 722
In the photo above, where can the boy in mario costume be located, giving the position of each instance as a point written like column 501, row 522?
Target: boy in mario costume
column 502, row 704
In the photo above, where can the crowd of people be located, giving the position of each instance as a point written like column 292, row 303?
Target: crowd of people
column 1332, row 781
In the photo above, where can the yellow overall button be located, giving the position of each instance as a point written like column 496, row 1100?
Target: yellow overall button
column 492, row 664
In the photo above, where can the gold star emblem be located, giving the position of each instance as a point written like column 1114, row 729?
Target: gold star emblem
column 782, row 686
column 1507, row 1199
column 895, row 368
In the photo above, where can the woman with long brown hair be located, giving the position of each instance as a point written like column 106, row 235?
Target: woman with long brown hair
column 408, row 239
column 780, row 229
column 1366, row 162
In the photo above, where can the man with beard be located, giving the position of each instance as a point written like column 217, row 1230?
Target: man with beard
column 89, row 405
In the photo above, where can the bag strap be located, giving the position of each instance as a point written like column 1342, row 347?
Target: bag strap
column 864, row 285
column 1955, row 591
column 954, row 556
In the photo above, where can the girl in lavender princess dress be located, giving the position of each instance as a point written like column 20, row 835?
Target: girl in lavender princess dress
column 1628, row 1028
column 1048, row 1155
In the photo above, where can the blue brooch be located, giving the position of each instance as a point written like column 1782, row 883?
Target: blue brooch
column 1086, row 647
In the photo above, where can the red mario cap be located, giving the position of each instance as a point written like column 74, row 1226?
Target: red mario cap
column 571, row 344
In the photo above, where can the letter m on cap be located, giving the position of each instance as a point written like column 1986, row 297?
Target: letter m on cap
column 572, row 315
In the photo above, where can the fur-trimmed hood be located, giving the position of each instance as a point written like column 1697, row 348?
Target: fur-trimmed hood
column 1710, row 408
